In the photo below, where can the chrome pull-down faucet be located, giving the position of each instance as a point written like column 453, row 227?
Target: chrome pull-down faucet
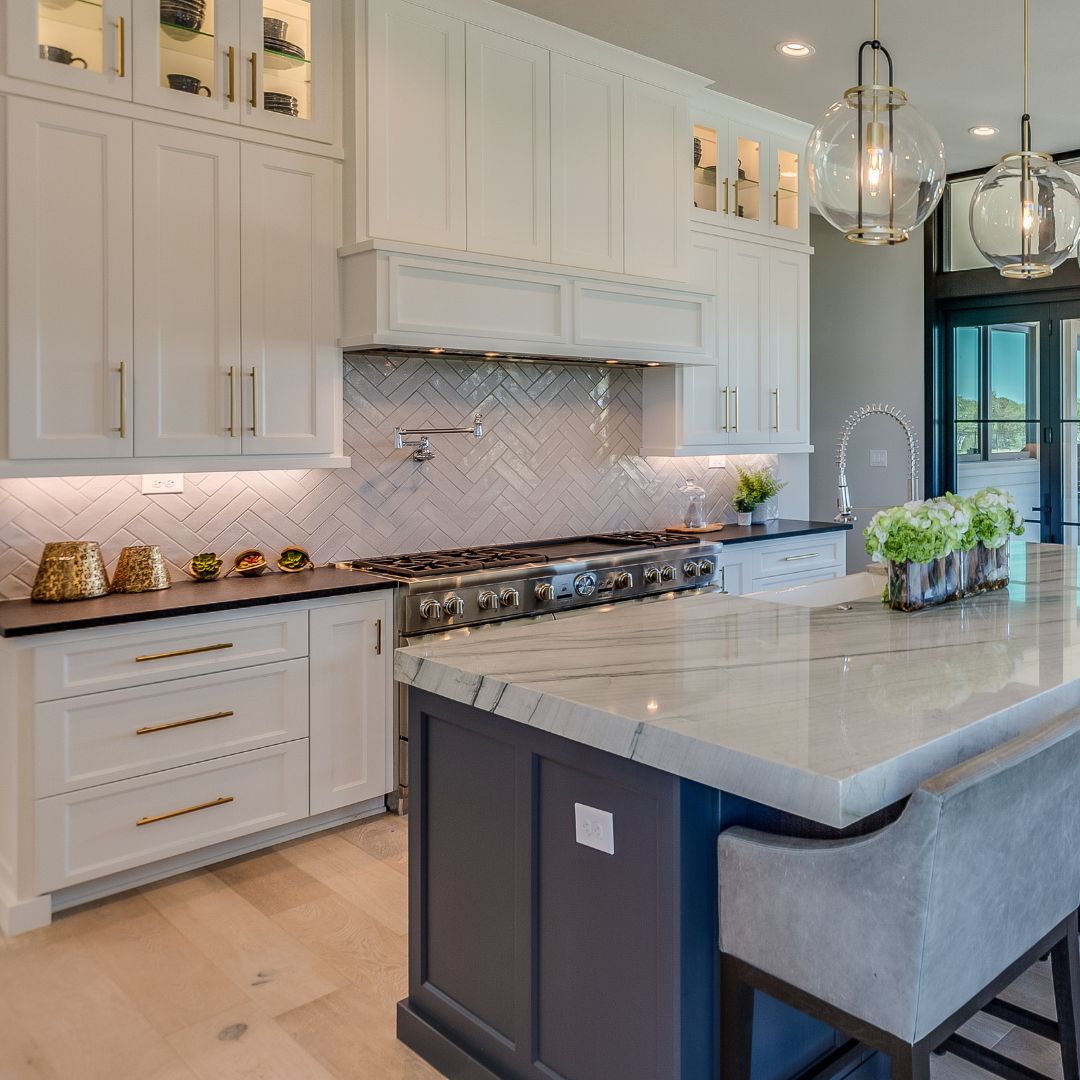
column 843, row 500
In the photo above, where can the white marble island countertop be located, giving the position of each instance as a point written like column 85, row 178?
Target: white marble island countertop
column 831, row 713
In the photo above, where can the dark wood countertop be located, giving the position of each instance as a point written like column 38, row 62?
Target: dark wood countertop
column 19, row 618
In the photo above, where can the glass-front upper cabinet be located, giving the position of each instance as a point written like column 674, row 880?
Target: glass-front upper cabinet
column 288, row 51
column 81, row 44
column 749, row 151
column 790, row 209
column 188, row 58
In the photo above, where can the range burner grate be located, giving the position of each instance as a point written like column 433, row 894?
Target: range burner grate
column 422, row 564
column 650, row 539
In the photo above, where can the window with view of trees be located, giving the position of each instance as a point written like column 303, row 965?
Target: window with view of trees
column 996, row 385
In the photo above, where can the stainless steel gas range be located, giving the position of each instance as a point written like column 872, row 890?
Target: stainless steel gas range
column 461, row 591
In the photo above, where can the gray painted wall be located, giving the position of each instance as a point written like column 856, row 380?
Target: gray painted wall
column 866, row 345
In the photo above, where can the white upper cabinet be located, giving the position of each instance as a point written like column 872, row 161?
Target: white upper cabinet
column 291, row 362
column 586, row 165
column 416, row 115
column 187, row 293
column 748, row 343
column 658, row 184
column 82, row 45
column 69, row 282
column 791, row 204
column 508, row 145
column 789, row 346
column 190, row 63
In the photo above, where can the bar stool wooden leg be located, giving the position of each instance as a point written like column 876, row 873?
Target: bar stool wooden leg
column 736, row 1023
column 1065, row 959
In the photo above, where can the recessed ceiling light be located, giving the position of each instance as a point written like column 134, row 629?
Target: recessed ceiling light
column 797, row 49
column 983, row 131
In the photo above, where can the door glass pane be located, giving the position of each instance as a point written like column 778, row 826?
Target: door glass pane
column 996, row 407
column 187, row 57
column 787, row 189
column 71, row 32
column 705, row 161
column 966, row 353
column 287, row 57
column 1070, row 429
column 748, row 181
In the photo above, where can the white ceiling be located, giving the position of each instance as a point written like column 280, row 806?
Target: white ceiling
column 959, row 60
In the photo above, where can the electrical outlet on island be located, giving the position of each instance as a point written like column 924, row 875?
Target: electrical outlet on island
column 594, row 828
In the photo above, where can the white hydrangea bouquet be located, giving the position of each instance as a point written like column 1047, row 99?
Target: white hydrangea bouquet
column 944, row 548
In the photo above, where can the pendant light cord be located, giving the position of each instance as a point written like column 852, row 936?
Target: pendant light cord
column 1025, row 120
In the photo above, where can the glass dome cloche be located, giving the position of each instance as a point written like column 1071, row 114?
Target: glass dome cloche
column 1025, row 215
column 875, row 164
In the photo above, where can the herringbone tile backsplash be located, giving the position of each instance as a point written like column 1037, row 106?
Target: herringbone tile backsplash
column 558, row 457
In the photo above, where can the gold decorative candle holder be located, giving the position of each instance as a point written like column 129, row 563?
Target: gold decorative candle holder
column 70, row 570
column 141, row 568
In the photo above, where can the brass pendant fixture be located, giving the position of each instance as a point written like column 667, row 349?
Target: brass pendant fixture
column 1025, row 213
column 875, row 165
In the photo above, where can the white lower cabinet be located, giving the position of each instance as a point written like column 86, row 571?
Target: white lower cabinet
column 760, row 565
column 352, row 685
column 132, row 746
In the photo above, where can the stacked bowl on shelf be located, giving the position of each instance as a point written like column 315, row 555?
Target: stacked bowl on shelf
column 186, row 14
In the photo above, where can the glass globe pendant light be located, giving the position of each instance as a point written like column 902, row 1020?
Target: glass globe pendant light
column 875, row 165
column 1025, row 213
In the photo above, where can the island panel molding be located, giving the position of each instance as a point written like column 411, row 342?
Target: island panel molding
column 831, row 713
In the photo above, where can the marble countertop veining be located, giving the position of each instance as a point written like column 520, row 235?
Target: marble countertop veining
column 831, row 713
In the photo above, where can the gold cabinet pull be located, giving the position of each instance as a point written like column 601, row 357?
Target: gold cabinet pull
column 183, row 652
column 123, row 399
column 230, row 54
column 254, row 62
column 735, row 391
column 776, row 210
column 378, row 637
column 232, row 402
column 254, row 401
column 184, row 723
column 121, row 64
column 726, row 185
column 187, row 810
column 799, row 558
column 776, row 409
column 727, row 409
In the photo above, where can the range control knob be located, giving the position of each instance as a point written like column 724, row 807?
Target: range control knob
column 585, row 584
column 454, row 605
column 706, row 567
column 667, row 572
column 622, row 580
column 488, row 600
column 690, row 569
column 652, row 575
column 510, row 598
column 545, row 591
column 430, row 609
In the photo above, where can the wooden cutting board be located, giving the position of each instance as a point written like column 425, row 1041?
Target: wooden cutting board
column 715, row 527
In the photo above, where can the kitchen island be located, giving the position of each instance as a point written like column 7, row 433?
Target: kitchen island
column 548, row 939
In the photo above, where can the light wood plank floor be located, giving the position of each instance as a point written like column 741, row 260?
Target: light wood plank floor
column 283, row 965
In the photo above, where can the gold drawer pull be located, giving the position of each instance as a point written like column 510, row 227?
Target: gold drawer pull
column 184, row 723
column 183, row 652
column 187, row 810
column 797, row 558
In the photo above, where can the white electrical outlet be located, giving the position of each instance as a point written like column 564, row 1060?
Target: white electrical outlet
column 594, row 828
column 879, row 459
column 717, row 461
column 163, row 484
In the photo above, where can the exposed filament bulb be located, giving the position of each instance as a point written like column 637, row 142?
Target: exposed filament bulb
column 876, row 156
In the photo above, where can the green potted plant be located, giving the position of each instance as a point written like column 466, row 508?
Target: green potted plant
column 757, row 487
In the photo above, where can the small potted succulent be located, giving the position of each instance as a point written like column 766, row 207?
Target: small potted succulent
column 757, row 488
column 203, row 567
column 294, row 559
column 249, row 563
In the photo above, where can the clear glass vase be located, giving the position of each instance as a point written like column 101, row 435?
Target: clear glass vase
column 913, row 586
column 985, row 568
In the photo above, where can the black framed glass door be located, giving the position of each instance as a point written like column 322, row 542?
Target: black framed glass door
column 1010, row 410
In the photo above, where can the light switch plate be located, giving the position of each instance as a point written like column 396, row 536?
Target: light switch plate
column 594, row 828
column 163, row 483
column 879, row 458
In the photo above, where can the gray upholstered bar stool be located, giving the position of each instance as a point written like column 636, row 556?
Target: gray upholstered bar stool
column 899, row 937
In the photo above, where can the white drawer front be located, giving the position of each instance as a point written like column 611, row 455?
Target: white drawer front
column 88, row 834
column 432, row 296
column 625, row 316
column 789, row 581
column 99, row 738
column 108, row 660
column 808, row 553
